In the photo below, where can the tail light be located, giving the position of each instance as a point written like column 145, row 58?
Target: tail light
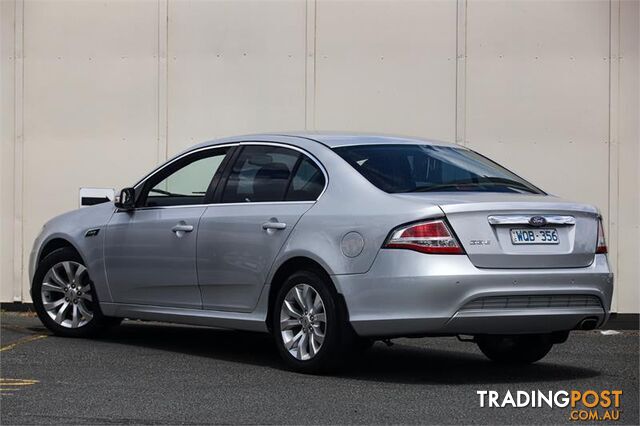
column 432, row 237
column 602, row 243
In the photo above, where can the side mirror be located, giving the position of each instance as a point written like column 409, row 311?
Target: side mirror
column 126, row 200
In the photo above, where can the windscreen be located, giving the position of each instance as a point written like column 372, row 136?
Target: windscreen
column 424, row 168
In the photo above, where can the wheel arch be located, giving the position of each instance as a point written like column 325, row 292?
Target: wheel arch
column 54, row 244
column 289, row 267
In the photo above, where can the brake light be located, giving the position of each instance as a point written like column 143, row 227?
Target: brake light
column 432, row 237
column 601, row 248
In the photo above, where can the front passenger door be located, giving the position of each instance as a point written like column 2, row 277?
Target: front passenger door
column 150, row 252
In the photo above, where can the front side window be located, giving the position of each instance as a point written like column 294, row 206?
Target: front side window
column 426, row 168
column 185, row 183
column 270, row 174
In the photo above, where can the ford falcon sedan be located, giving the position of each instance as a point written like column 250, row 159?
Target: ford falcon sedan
column 330, row 242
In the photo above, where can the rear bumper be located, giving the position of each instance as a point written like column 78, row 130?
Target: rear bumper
column 409, row 293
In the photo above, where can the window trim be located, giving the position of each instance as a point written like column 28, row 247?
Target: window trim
column 227, row 164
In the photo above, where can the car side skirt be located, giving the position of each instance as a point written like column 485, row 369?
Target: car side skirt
column 222, row 319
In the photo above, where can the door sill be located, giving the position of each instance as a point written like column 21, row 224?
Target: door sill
column 249, row 321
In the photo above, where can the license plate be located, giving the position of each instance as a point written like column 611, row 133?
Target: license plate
column 534, row 236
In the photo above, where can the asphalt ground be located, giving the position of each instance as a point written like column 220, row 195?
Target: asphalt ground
column 152, row 373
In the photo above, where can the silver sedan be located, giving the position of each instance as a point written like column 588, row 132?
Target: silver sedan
column 329, row 242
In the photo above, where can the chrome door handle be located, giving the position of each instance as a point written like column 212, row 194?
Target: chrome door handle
column 274, row 225
column 182, row 228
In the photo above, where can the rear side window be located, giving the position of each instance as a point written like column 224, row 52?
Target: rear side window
column 307, row 183
column 426, row 168
column 270, row 173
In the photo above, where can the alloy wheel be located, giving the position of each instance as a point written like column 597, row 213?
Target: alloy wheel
column 303, row 322
column 66, row 294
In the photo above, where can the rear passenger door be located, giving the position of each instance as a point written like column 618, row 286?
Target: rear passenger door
column 261, row 197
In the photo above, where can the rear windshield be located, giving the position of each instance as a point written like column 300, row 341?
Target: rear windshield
column 424, row 168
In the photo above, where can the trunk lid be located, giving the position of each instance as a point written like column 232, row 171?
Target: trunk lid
column 495, row 229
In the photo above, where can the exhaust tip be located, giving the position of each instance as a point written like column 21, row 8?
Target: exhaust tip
column 588, row 324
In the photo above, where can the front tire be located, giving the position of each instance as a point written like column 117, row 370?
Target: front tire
column 309, row 325
column 64, row 296
column 518, row 349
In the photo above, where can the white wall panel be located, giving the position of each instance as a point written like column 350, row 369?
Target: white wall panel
column 628, row 248
column 538, row 92
column 234, row 67
column 7, row 135
column 386, row 66
column 90, row 89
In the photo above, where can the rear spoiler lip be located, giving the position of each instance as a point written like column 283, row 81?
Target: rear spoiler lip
column 537, row 208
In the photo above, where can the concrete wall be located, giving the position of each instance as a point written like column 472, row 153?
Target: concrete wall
column 94, row 93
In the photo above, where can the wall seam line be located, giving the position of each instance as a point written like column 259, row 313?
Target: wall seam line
column 310, row 65
column 162, row 87
column 461, row 73
column 613, row 151
column 18, row 153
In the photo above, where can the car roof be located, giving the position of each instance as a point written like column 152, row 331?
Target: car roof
column 336, row 139
column 331, row 139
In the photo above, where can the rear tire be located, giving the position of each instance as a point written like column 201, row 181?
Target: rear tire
column 64, row 296
column 309, row 324
column 518, row 349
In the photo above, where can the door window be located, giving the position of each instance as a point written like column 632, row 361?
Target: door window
column 270, row 173
column 261, row 173
column 186, row 182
